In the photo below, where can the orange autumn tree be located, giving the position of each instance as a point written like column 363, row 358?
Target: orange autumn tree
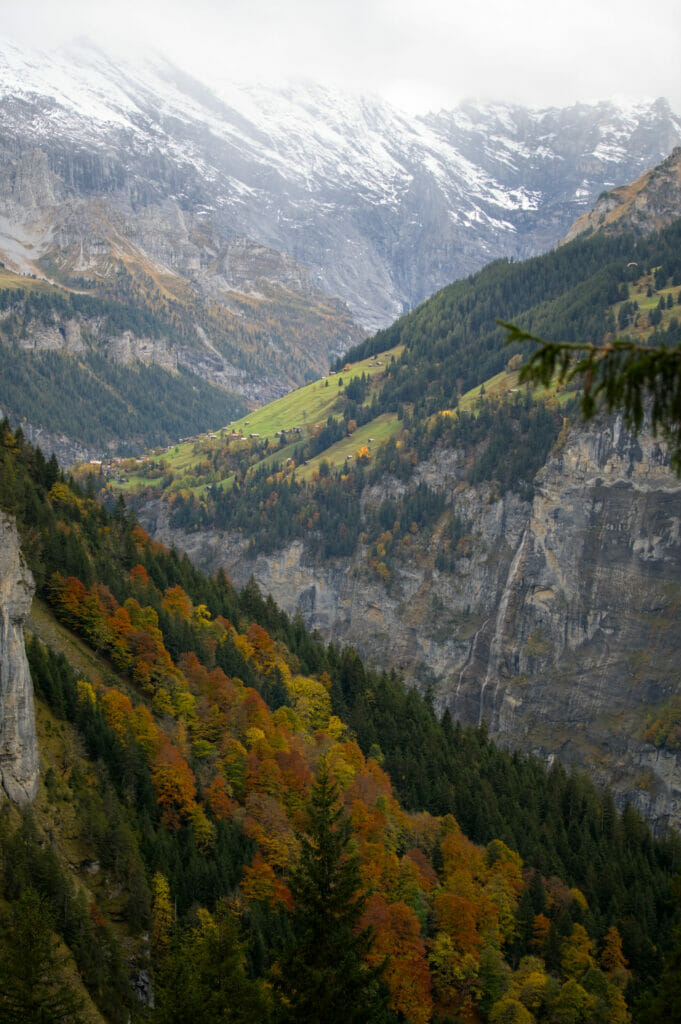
column 398, row 944
column 218, row 800
column 260, row 883
column 266, row 822
column 174, row 785
column 177, row 603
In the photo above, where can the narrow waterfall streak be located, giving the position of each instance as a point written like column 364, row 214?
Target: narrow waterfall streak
column 495, row 646
column 469, row 659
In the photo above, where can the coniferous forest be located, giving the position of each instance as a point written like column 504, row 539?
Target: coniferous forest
column 96, row 401
column 254, row 826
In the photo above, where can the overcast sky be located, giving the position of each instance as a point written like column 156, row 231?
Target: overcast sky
column 419, row 54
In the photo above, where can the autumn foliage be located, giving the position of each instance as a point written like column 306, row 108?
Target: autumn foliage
column 444, row 914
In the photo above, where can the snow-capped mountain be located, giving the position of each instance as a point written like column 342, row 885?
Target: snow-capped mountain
column 381, row 208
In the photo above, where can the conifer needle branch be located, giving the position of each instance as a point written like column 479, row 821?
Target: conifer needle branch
column 639, row 381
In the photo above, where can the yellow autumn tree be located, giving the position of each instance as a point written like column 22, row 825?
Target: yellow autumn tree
column 312, row 702
column 161, row 913
column 577, row 953
column 613, row 961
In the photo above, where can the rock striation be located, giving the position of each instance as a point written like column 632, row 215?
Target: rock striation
column 559, row 624
column 581, row 647
column 173, row 255
column 646, row 205
column 19, row 759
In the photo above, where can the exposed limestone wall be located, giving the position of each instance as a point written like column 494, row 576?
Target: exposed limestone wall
column 587, row 633
column 19, row 761
column 63, row 336
column 126, row 347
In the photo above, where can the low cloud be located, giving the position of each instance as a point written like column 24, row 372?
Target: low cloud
column 419, row 54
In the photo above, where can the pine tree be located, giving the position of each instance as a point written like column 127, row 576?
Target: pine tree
column 666, row 1006
column 322, row 977
column 203, row 978
column 32, row 983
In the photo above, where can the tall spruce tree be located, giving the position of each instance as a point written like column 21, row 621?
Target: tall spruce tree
column 322, row 977
column 203, row 979
column 33, row 984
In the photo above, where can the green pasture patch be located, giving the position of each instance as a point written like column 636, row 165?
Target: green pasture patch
column 506, row 383
column 310, row 404
column 379, row 430
column 134, row 483
column 638, row 292
column 500, row 384
column 305, row 408
column 278, row 457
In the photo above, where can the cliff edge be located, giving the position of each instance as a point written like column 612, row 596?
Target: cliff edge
column 19, row 759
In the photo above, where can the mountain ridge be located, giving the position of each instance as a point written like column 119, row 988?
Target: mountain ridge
column 651, row 202
column 212, row 229
column 379, row 207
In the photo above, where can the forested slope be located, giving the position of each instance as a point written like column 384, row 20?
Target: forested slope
column 453, row 341
column 58, row 374
column 216, row 735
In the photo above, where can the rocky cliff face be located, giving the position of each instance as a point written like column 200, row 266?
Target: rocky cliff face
column 581, row 648
column 559, row 625
column 237, row 288
column 19, row 763
column 651, row 202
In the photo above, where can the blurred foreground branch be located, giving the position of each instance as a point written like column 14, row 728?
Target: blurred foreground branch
column 642, row 382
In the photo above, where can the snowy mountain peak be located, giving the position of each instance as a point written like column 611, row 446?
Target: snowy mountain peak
column 381, row 208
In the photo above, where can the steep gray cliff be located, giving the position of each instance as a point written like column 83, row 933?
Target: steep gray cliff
column 559, row 624
column 174, row 255
column 581, row 648
column 19, row 761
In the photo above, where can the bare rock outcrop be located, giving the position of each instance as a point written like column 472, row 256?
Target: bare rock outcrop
column 19, row 760
column 646, row 205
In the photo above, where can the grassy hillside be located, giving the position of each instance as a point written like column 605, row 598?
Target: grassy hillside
column 275, row 433
column 297, row 469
